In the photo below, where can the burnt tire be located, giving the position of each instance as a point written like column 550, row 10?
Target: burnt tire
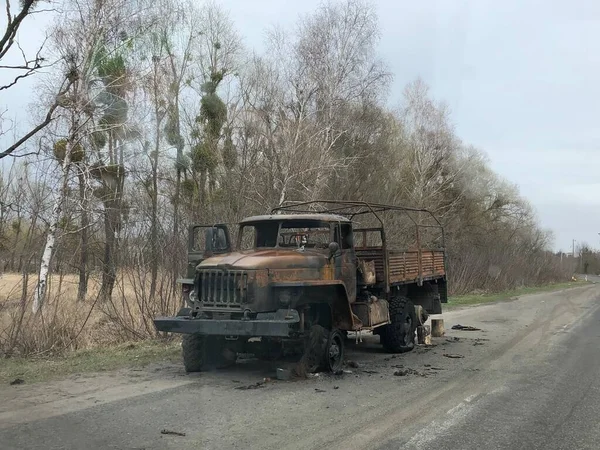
column 202, row 352
column 399, row 336
column 313, row 352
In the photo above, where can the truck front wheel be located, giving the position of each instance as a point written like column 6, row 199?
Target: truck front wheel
column 202, row 352
column 399, row 336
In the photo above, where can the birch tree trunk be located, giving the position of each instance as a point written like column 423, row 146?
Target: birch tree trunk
column 40, row 290
column 83, row 275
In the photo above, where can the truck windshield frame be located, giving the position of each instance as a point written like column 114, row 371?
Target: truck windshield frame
column 273, row 234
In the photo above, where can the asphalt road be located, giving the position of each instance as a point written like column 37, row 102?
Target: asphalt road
column 529, row 379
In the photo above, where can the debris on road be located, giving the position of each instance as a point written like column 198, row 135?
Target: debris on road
column 370, row 371
column 352, row 364
column 283, row 374
column 173, row 433
column 465, row 328
column 320, row 390
column 17, row 381
column 437, row 328
column 257, row 385
column 408, row 371
column 450, row 355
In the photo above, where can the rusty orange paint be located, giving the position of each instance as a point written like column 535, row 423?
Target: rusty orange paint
column 261, row 277
column 327, row 272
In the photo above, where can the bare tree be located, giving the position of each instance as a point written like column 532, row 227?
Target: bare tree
column 26, row 67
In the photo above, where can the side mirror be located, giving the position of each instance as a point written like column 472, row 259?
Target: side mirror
column 334, row 247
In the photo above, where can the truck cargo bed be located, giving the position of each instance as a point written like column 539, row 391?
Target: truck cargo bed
column 404, row 266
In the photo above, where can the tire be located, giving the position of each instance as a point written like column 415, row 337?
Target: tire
column 333, row 358
column 202, row 352
column 399, row 336
column 315, row 346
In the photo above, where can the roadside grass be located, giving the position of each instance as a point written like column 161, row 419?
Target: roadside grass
column 476, row 299
column 101, row 359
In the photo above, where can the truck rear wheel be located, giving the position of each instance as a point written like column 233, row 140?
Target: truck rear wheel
column 399, row 336
column 202, row 352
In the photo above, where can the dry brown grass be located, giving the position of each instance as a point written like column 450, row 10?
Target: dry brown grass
column 65, row 324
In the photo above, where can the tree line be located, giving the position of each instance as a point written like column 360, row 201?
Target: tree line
column 161, row 116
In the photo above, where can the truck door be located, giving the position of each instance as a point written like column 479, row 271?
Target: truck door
column 205, row 241
column 345, row 267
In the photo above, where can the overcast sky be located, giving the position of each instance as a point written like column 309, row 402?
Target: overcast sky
column 521, row 78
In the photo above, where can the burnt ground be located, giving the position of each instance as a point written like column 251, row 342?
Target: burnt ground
column 531, row 368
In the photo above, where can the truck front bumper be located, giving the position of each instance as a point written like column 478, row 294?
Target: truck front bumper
column 275, row 324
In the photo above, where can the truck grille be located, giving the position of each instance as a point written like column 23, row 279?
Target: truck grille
column 222, row 288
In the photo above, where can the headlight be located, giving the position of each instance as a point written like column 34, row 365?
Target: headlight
column 192, row 297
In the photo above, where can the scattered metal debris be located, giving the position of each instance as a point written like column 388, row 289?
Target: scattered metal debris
column 408, row 371
column 171, row 432
column 257, row 385
column 465, row 328
column 450, row 355
column 283, row 374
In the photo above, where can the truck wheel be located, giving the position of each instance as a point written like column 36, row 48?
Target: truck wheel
column 334, row 352
column 202, row 352
column 313, row 354
column 399, row 336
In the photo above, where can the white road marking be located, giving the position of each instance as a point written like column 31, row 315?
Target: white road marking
column 454, row 415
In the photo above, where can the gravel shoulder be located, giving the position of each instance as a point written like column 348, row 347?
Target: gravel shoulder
column 368, row 406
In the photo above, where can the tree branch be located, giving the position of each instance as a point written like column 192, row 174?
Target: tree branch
column 42, row 125
column 13, row 25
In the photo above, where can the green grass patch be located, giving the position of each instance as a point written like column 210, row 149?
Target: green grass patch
column 475, row 299
column 139, row 354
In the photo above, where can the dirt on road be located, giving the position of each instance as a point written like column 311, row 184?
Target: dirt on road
column 412, row 398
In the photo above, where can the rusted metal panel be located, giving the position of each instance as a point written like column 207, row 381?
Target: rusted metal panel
column 372, row 313
column 407, row 266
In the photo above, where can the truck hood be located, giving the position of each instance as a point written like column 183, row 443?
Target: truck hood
column 266, row 259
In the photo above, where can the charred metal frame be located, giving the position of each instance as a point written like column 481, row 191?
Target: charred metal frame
column 352, row 209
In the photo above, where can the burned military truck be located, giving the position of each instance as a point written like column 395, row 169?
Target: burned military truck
column 303, row 277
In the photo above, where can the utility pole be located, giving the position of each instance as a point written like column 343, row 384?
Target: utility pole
column 573, row 248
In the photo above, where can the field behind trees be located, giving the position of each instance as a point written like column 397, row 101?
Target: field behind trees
column 162, row 117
